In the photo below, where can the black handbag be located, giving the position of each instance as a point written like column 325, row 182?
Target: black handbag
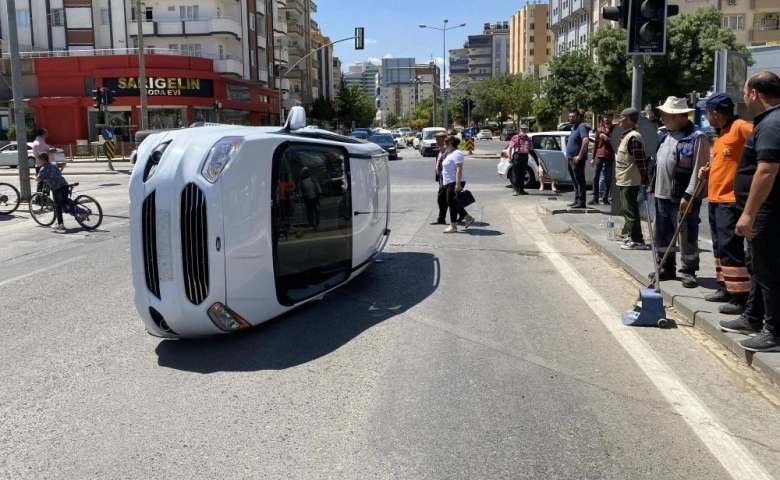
column 464, row 198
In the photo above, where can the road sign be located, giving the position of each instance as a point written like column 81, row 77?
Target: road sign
column 470, row 145
column 108, row 133
column 108, row 148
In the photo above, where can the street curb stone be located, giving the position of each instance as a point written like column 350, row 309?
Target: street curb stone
column 688, row 302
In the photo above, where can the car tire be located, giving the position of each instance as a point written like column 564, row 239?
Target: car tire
column 530, row 179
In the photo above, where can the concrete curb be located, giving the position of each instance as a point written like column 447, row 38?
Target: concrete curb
column 688, row 302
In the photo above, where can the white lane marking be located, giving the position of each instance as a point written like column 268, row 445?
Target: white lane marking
column 737, row 461
column 41, row 270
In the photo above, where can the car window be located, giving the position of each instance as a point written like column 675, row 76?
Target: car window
column 381, row 138
column 546, row 142
column 430, row 134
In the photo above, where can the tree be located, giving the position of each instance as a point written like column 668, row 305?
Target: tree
column 520, row 96
column 392, row 119
column 323, row 110
column 612, row 68
column 572, row 81
column 353, row 105
column 546, row 115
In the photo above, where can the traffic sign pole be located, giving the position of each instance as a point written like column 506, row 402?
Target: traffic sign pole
column 108, row 129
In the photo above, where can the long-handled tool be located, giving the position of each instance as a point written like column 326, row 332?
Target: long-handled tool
column 649, row 310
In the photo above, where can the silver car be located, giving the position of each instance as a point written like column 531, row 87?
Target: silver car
column 548, row 149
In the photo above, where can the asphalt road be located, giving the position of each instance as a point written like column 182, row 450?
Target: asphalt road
column 492, row 353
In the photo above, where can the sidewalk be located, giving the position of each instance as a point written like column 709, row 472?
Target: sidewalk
column 688, row 302
column 82, row 167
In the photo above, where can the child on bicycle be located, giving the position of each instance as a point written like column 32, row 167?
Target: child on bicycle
column 50, row 173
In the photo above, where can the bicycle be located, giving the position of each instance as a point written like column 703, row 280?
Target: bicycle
column 85, row 209
column 9, row 199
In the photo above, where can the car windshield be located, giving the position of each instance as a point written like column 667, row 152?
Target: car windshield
column 360, row 135
column 430, row 134
column 381, row 138
column 485, row 131
column 396, row 135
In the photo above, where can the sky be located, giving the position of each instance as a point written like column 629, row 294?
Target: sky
column 391, row 27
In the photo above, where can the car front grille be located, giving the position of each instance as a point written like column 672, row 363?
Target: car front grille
column 149, row 236
column 194, row 248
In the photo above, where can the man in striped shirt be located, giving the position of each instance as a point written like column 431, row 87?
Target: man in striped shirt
column 630, row 175
column 519, row 147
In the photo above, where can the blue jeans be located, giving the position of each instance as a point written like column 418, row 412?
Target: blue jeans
column 667, row 216
column 602, row 184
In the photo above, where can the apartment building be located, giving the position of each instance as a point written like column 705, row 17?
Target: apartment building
column 324, row 66
column 459, row 70
column 364, row 75
column 530, row 40
column 197, row 53
column 571, row 24
column 302, row 72
column 488, row 51
column 335, row 79
column 403, row 83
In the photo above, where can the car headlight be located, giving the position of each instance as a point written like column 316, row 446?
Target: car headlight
column 220, row 155
column 226, row 319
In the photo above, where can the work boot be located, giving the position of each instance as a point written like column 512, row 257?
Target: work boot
column 734, row 307
column 719, row 296
column 593, row 202
column 739, row 325
column 689, row 280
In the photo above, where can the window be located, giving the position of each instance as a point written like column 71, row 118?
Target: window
column 532, row 26
column 251, row 22
column 191, row 49
column 253, row 58
column 104, row 16
column 530, row 52
column 57, row 17
column 531, row 38
column 189, row 13
column 149, row 14
column 261, row 26
column 734, row 22
column 23, row 18
column 173, row 47
column 311, row 190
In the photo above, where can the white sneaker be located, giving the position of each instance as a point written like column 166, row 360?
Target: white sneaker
column 59, row 227
column 451, row 229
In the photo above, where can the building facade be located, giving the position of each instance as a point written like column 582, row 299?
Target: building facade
column 459, row 70
column 404, row 83
column 364, row 75
column 571, row 24
column 488, row 52
column 530, row 40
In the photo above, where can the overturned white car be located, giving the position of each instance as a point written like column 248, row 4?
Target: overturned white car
column 232, row 226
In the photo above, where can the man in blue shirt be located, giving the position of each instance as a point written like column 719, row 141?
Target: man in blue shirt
column 577, row 156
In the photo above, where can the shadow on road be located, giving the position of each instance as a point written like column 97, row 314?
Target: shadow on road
column 386, row 289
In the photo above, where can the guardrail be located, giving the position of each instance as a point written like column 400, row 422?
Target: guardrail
column 94, row 151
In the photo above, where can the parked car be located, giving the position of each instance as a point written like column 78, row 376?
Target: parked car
column 398, row 138
column 9, row 156
column 416, row 140
column 507, row 134
column 548, row 149
column 485, row 135
column 428, row 144
column 386, row 142
column 359, row 134
column 409, row 138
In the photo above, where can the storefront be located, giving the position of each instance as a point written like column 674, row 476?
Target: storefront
column 180, row 90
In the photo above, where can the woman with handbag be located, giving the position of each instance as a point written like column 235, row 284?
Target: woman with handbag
column 452, row 180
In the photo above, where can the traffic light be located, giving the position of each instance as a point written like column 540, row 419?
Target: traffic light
column 647, row 26
column 359, row 38
column 617, row 14
column 468, row 107
column 97, row 97
column 109, row 96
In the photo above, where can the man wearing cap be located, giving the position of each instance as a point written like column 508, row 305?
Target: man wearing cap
column 519, row 147
column 603, row 159
column 630, row 175
column 757, row 190
column 682, row 151
column 727, row 247
column 577, row 155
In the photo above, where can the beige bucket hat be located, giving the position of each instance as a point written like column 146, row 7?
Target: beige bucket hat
column 675, row 105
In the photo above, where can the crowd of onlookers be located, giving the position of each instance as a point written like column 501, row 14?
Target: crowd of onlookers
column 738, row 175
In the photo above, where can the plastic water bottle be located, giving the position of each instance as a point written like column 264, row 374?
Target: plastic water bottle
column 610, row 224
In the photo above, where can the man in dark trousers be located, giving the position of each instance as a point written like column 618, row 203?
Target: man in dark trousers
column 757, row 191
column 577, row 155
column 519, row 147
column 603, row 159
column 441, row 196
column 727, row 247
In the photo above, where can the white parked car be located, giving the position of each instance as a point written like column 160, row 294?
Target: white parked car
column 416, row 141
column 9, row 156
column 398, row 138
column 428, row 145
column 485, row 135
column 548, row 149
column 223, row 230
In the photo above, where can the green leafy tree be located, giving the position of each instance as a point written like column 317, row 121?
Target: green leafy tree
column 365, row 109
column 545, row 113
column 323, row 110
column 611, row 70
column 353, row 105
column 572, row 81
column 520, row 96
column 392, row 119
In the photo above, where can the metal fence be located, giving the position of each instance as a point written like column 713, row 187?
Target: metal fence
column 95, row 151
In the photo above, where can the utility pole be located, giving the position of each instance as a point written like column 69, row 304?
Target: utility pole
column 141, row 67
column 16, row 82
column 638, row 67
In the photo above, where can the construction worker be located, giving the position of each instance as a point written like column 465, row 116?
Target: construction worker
column 727, row 247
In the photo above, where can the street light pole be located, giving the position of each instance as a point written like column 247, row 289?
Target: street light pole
column 444, row 91
column 142, row 120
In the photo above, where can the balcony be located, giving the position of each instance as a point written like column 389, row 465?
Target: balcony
column 262, row 75
column 285, row 84
column 148, row 28
column 282, row 56
column 280, row 25
column 295, row 28
column 281, row 3
column 296, row 51
column 765, row 36
column 312, row 7
column 262, row 42
column 765, row 5
column 229, row 66
column 212, row 26
column 296, row 5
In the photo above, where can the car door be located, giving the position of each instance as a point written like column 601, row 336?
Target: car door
column 8, row 156
column 549, row 147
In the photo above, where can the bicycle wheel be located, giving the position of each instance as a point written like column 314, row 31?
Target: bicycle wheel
column 9, row 199
column 42, row 209
column 87, row 211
